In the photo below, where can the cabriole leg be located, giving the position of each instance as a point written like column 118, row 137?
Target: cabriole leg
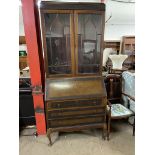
column 49, row 131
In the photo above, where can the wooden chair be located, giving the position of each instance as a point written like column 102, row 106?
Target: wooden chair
column 133, row 110
column 119, row 111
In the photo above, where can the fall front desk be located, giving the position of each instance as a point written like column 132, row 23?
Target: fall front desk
column 75, row 95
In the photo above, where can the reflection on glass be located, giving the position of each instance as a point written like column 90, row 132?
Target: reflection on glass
column 57, row 27
column 89, row 38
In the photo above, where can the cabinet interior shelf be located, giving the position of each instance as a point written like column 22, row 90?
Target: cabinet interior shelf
column 89, row 65
column 59, row 65
column 51, row 36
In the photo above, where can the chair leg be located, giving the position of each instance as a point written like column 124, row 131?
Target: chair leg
column 134, row 127
column 103, row 132
column 109, row 122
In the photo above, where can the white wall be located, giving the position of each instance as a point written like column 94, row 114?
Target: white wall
column 115, row 32
column 122, row 21
column 21, row 26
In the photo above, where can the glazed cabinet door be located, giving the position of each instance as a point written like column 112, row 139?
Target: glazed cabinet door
column 58, row 42
column 89, row 27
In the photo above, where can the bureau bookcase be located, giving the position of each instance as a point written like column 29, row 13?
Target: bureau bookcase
column 75, row 94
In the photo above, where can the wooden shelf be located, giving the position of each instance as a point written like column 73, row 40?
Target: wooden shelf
column 22, row 40
column 115, row 44
column 23, row 62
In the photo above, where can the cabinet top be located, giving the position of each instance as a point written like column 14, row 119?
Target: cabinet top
column 72, row 6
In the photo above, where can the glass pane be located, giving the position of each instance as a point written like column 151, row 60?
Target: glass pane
column 89, row 41
column 57, row 28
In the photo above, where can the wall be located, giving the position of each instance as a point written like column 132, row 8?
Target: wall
column 116, row 31
column 122, row 21
column 21, row 26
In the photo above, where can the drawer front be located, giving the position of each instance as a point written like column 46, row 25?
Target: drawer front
column 75, row 121
column 75, row 112
column 75, row 103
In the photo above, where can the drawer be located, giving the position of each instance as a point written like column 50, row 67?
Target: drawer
column 75, row 121
column 75, row 103
column 75, row 112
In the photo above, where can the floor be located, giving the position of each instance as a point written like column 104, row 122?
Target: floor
column 81, row 143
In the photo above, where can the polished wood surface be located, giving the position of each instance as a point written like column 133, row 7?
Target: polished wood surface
column 23, row 62
column 75, row 121
column 72, row 6
column 115, row 44
column 74, row 112
column 113, row 86
column 22, row 40
column 76, row 103
column 74, row 87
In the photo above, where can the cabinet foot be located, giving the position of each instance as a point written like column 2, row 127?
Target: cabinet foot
column 49, row 132
column 104, row 132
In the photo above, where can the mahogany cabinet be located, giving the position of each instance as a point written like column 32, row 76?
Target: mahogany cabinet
column 75, row 94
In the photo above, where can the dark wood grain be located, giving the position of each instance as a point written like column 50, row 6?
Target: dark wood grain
column 72, row 6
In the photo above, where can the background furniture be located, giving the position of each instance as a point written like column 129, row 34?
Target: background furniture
column 106, row 53
column 117, row 61
column 22, row 40
column 128, row 88
column 113, row 86
column 75, row 95
column 128, row 85
column 114, row 44
column 131, row 106
column 121, row 102
column 128, row 44
column 26, row 108
column 23, row 62
column 128, row 47
column 115, row 64
column 125, row 46
column 23, row 59
column 116, row 108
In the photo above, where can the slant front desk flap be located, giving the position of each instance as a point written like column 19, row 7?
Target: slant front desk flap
column 72, row 88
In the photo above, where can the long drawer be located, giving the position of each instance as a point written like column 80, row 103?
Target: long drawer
column 75, row 112
column 75, row 103
column 75, row 121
